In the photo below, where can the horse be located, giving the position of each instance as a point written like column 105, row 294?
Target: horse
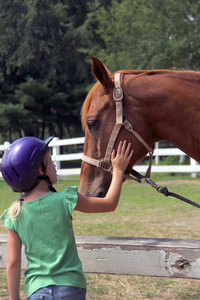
column 143, row 107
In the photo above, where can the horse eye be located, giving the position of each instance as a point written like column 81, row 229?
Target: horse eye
column 92, row 124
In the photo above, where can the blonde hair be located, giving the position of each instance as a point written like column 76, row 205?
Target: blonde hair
column 15, row 209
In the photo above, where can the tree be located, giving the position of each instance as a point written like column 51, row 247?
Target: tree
column 45, row 49
column 148, row 34
column 42, row 73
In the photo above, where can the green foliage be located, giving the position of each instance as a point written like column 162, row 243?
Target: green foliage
column 45, row 49
column 41, row 70
column 149, row 34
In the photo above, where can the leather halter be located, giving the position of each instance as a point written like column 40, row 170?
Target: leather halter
column 121, row 120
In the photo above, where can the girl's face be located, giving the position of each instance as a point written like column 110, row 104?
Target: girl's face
column 50, row 168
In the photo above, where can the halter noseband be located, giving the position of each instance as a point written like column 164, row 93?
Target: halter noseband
column 121, row 120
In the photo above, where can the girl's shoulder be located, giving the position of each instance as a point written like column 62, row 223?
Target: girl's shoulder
column 69, row 191
column 8, row 221
column 5, row 214
column 70, row 198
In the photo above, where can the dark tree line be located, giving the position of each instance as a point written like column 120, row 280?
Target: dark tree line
column 45, row 49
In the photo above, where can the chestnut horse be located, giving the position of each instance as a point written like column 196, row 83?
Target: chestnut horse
column 158, row 105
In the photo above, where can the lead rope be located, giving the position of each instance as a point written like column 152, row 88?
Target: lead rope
column 159, row 188
column 164, row 191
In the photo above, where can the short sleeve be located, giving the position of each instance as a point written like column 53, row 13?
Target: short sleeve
column 8, row 222
column 70, row 198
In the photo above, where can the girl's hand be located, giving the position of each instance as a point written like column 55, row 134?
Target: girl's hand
column 123, row 156
column 110, row 201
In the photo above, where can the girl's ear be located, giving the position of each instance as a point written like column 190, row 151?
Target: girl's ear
column 41, row 171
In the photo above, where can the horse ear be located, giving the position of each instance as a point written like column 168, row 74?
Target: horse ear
column 101, row 72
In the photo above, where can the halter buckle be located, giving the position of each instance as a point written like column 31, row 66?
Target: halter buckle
column 106, row 166
column 117, row 94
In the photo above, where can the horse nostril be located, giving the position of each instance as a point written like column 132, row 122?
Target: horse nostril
column 97, row 193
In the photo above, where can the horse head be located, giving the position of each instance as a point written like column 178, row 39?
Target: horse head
column 99, row 119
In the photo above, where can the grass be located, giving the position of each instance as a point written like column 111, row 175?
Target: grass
column 142, row 212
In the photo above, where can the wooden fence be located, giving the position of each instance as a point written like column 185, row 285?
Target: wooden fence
column 173, row 258
column 74, row 149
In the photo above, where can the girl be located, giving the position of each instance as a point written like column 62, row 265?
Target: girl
column 41, row 220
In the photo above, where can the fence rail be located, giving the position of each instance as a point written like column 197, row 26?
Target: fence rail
column 193, row 168
column 175, row 258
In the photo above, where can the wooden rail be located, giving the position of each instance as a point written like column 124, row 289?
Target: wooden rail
column 174, row 258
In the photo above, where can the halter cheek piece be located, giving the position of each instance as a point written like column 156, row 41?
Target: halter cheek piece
column 121, row 120
column 105, row 163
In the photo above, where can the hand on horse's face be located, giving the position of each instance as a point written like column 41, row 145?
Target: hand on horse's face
column 123, row 156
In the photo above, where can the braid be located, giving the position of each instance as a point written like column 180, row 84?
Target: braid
column 51, row 188
column 45, row 177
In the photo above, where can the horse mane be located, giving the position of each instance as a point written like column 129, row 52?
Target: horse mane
column 192, row 76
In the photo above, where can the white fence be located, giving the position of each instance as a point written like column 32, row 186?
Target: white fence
column 193, row 168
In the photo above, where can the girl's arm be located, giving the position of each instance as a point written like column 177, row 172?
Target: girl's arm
column 110, row 201
column 13, row 264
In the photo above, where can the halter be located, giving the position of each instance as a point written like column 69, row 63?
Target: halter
column 121, row 120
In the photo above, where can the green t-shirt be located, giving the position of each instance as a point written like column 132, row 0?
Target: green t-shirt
column 45, row 228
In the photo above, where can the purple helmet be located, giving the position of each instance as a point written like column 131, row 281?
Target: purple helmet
column 21, row 161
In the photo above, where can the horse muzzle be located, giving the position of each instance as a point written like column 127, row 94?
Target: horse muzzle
column 97, row 185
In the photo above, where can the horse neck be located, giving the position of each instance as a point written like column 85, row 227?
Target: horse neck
column 171, row 106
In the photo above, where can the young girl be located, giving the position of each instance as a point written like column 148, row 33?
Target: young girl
column 41, row 220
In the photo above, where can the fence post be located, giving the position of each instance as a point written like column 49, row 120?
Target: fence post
column 6, row 145
column 55, row 153
column 156, row 156
column 193, row 163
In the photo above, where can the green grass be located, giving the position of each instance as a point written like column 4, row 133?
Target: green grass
column 142, row 212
